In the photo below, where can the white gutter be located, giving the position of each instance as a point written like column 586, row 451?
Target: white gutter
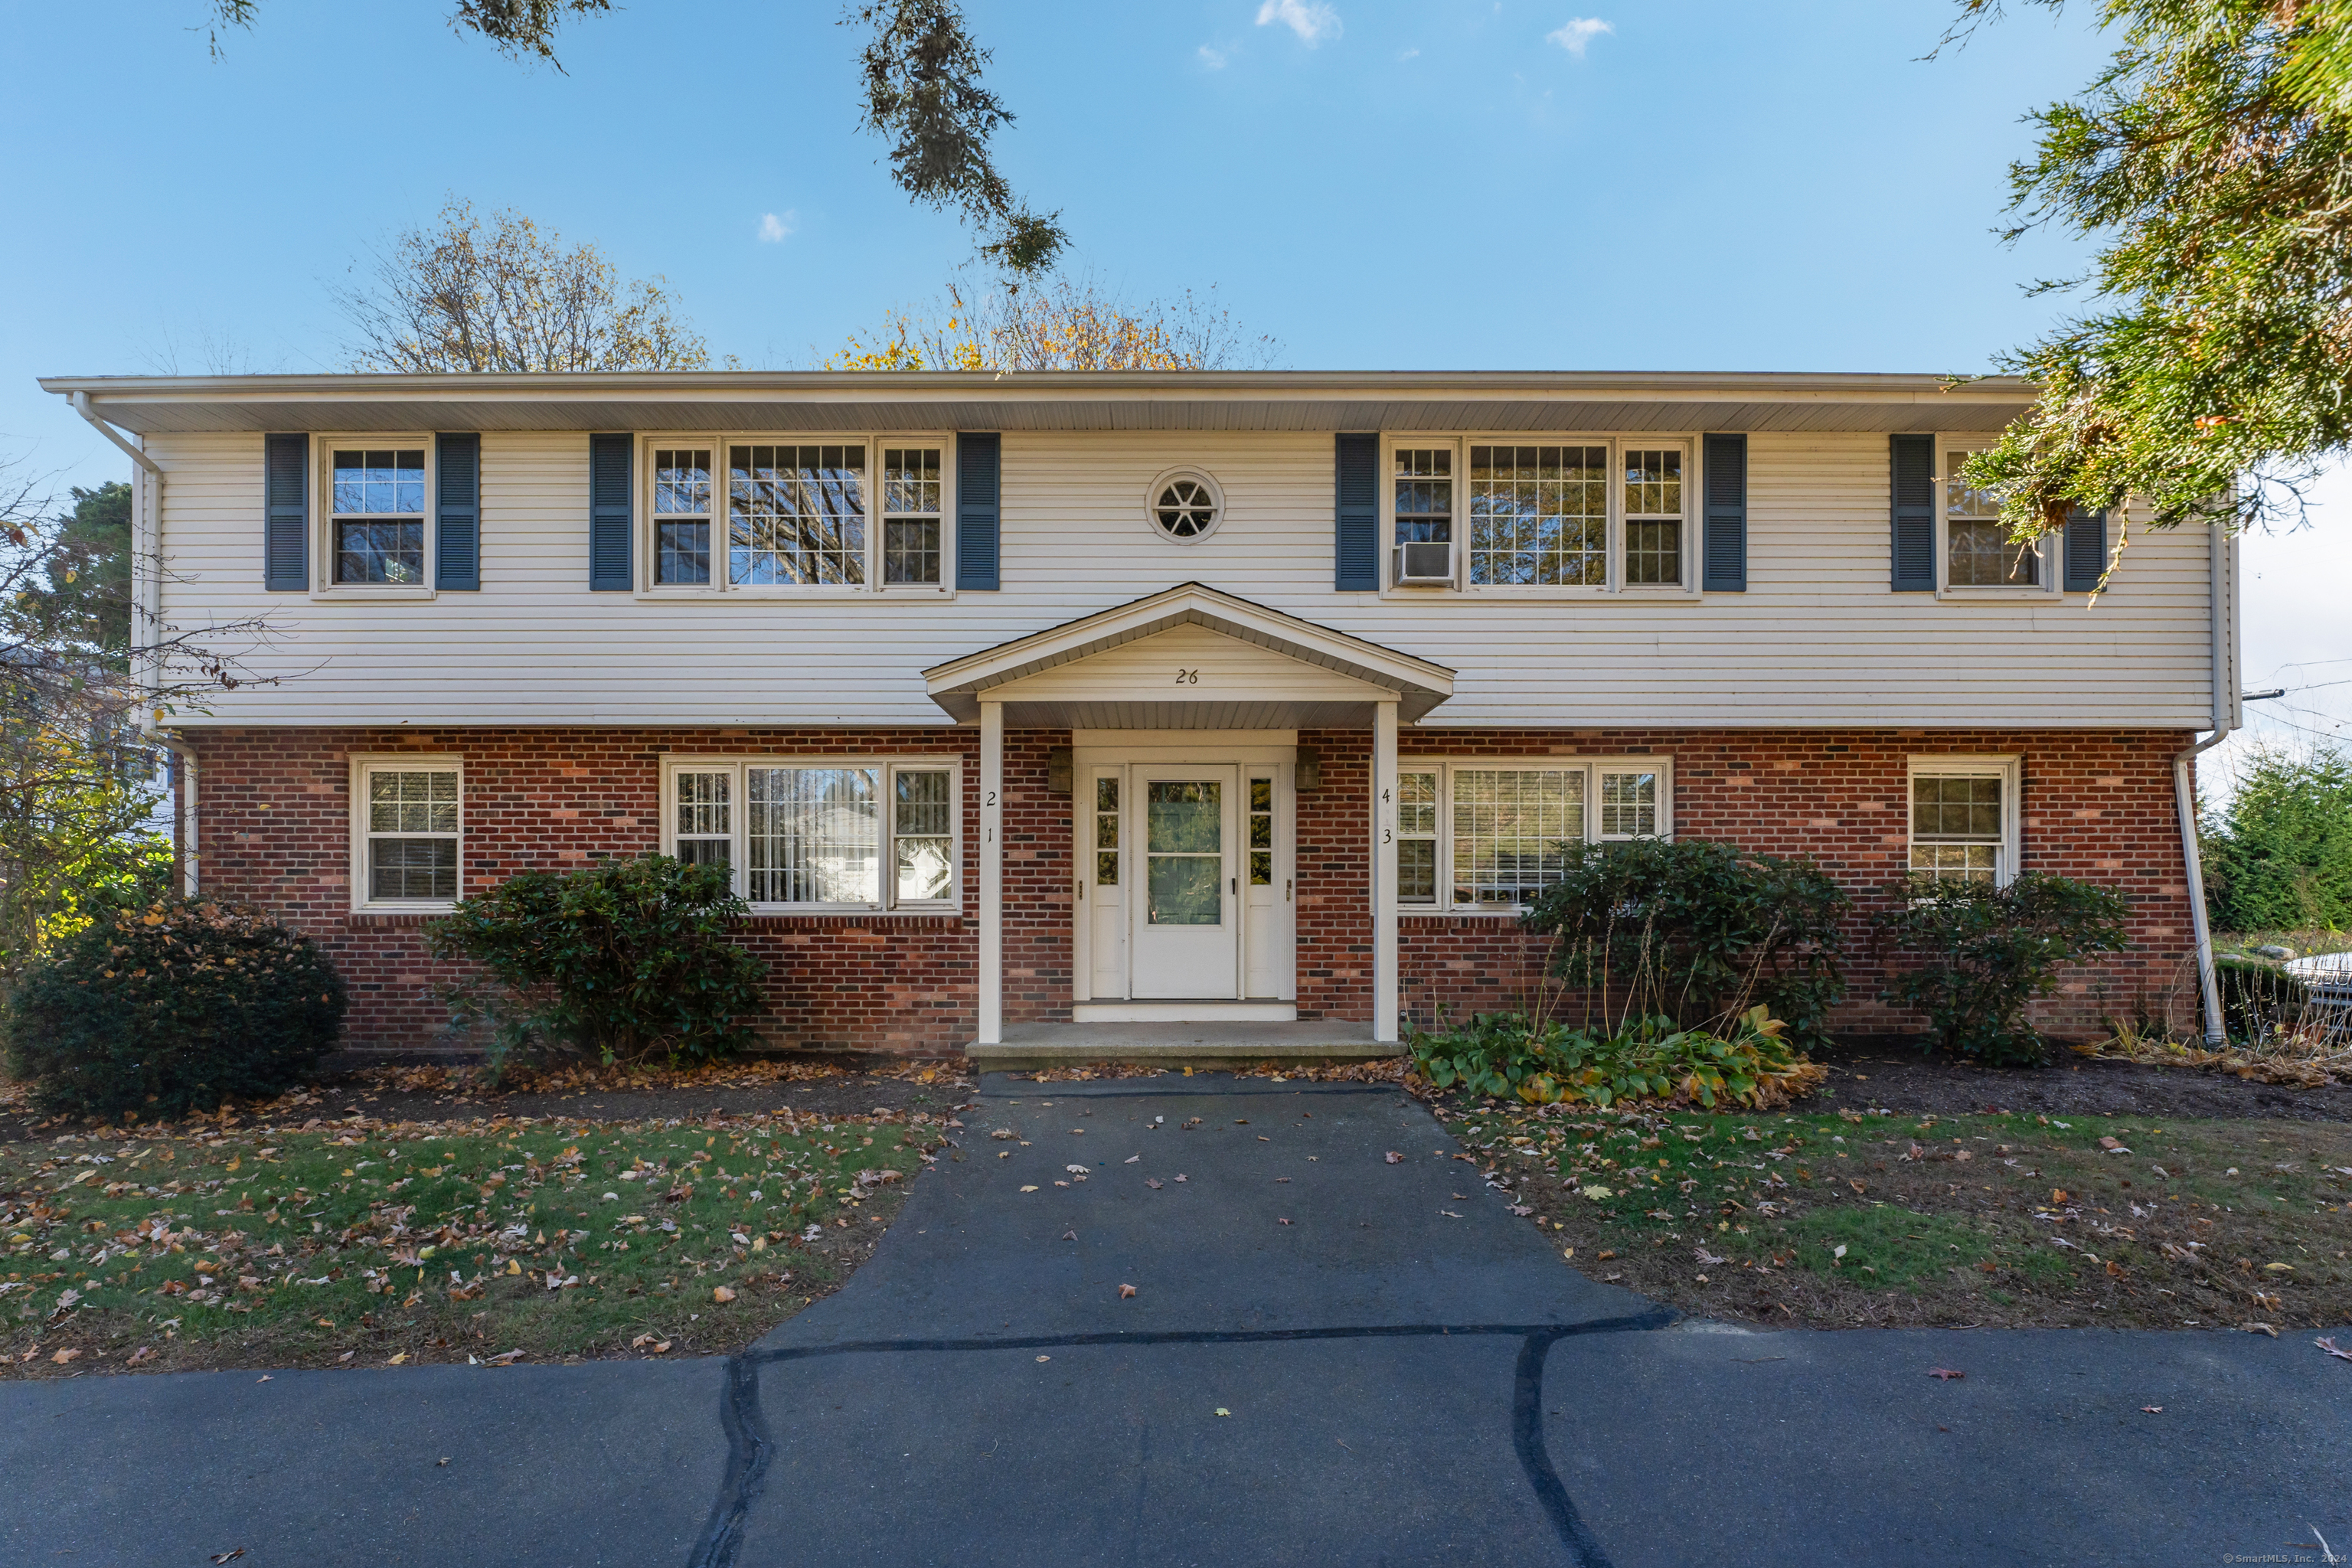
column 187, row 841
column 2224, row 675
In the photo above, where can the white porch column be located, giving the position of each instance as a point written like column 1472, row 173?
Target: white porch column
column 1384, row 871
column 991, row 873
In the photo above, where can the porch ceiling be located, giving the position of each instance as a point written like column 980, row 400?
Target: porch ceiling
column 1249, row 668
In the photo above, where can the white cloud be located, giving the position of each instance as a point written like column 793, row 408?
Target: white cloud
column 1312, row 20
column 1213, row 58
column 773, row 226
column 1578, row 32
column 1410, row 53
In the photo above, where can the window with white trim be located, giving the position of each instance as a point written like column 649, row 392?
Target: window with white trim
column 408, row 830
column 1977, row 550
column 1963, row 818
column 820, row 833
column 376, row 493
column 1591, row 516
column 1491, row 835
column 768, row 514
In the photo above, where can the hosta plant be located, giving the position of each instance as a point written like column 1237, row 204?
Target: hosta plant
column 1504, row 1055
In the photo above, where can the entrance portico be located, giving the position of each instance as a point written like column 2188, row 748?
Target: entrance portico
column 1185, row 771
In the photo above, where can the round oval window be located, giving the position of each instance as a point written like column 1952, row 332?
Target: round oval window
column 1185, row 507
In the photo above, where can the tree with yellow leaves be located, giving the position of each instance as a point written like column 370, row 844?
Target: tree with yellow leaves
column 1062, row 323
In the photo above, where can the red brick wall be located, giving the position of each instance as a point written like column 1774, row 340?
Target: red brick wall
column 276, row 831
column 2096, row 806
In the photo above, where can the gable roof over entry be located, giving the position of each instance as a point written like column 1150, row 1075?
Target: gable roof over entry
column 1190, row 657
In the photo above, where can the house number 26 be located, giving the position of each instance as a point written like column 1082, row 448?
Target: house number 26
column 1188, row 677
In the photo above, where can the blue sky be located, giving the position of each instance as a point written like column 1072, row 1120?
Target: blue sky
column 1668, row 185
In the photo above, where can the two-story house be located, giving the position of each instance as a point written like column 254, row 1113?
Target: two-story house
column 1035, row 699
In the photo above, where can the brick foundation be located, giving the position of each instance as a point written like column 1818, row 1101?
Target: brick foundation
column 276, row 832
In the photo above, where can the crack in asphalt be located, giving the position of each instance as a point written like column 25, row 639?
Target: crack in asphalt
column 748, row 1447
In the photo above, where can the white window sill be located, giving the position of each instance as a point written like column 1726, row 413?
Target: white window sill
column 1996, row 595
column 1541, row 596
column 692, row 595
column 955, row 908
column 356, row 594
column 411, row 908
column 1468, row 912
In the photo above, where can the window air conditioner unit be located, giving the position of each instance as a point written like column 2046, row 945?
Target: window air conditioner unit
column 1427, row 563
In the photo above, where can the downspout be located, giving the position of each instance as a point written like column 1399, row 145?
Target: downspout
column 2222, row 602
column 179, row 750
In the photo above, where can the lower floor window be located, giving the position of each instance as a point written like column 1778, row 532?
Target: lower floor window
column 1479, row 836
column 409, row 834
column 1963, row 818
column 857, row 834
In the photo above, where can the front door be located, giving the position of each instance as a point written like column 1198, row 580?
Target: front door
column 1186, row 921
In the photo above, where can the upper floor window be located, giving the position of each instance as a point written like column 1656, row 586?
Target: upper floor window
column 1589, row 516
column 1492, row 835
column 407, row 833
column 737, row 514
column 1978, row 551
column 819, row 832
column 377, row 514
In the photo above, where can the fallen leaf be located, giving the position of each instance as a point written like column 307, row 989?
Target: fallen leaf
column 1945, row 1373
column 1151, row 1182
column 143, row 1353
column 1180, row 1175
column 1069, row 1236
column 1709, row 1258
column 1854, row 1184
column 1132, row 1159
column 2111, row 1143
column 1395, row 1158
column 2270, row 1329
column 1989, row 1267
column 722, row 1295
column 2151, row 1409
column 1044, row 1358
column 397, row 1360
column 1125, row 1291
column 506, row 1358
column 62, row 1357
column 2279, row 1268
column 263, row 1378
column 1597, row 1194
column 1031, row 1189
column 439, row 1462
column 1282, row 1222
column 1223, row 1411
column 2329, row 1346
column 1604, row 1257
column 219, row 1557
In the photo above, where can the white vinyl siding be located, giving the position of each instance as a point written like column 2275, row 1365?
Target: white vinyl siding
column 821, row 833
column 1489, row 834
column 1818, row 640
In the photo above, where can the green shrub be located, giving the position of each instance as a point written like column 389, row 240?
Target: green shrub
column 627, row 959
column 1697, row 933
column 2278, row 855
column 2258, row 999
column 173, row 1007
column 1984, row 953
column 1502, row 1054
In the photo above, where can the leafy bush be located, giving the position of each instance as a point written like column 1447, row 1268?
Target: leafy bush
column 1505, row 1054
column 1697, row 931
column 627, row 959
column 1986, row 952
column 2278, row 855
column 177, row 1005
column 2258, row 999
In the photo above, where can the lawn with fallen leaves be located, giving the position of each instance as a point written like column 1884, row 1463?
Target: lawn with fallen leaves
column 1877, row 1219
column 373, row 1244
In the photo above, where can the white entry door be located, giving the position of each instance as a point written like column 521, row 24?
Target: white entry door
column 1185, row 919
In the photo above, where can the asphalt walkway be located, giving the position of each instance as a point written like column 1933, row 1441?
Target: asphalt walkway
column 1327, row 1357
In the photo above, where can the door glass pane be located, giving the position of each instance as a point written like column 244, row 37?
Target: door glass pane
column 1184, row 818
column 1261, row 833
column 1184, row 848
column 1185, row 889
column 1107, row 833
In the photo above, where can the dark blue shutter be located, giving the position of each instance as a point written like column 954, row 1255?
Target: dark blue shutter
column 1913, row 464
column 980, row 464
column 611, row 517
column 1726, row 561
column 286, row 514
column 1355, row 537
column 458, row 496
column 2086, row 550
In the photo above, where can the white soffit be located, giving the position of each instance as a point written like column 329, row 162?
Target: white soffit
column 1300, row 401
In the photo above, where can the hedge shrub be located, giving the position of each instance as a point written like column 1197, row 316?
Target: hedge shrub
column 173, row 1007
column 627, row 959
column 1697, row 933
column 1980, row 953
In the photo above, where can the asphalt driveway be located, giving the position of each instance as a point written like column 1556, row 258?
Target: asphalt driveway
column 1326, row 1357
